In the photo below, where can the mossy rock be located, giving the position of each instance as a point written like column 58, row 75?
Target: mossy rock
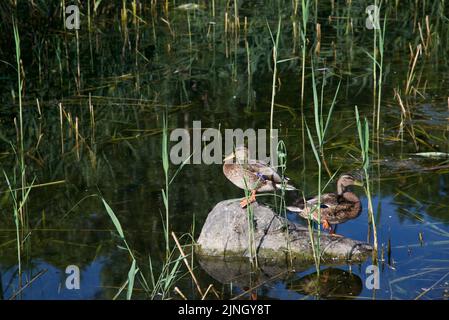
column 225, row 234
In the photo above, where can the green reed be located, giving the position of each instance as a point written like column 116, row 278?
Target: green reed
column 133, row 270
column 251, row 227
column 159, row 287
column 19, row 202
column 62, row 4
column 124, row 13
column 282, row 155
column 305, row 6
column 322, row 123
column 250, row 218
column 316, row 246
column 275, row 63
column 280, row 148
column 381, row 45
column 377, row 59
column 165, row 192
column 19, row 90
column 364, row 139
column 168, row 181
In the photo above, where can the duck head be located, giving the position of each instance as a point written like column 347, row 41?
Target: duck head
column 240, row 155
column 345, row 181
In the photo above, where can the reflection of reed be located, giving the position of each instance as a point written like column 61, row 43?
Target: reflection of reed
column 332, row 283
column 238, row 274
column 1, row 287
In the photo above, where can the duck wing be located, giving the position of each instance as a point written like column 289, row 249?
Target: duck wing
column 303, row 206
column 334, row 208
column 242, row 177
column 328, row 200
column 265, row 171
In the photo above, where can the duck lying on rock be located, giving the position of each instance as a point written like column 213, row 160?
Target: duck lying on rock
column 336, row 207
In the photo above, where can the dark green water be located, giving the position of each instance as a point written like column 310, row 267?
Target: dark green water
column 136, row 74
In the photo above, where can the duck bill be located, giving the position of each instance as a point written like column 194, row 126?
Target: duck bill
column 359, row 183
column 230, row 157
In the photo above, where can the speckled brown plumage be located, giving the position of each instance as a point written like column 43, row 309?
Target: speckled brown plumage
column 336, row 207
column 252, row 175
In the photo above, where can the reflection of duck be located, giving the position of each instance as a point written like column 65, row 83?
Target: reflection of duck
column 332, row 283
column 252, row 175
column 335, row 207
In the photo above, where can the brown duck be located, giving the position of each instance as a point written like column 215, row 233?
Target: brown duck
column 336, row 208
column 252, row 175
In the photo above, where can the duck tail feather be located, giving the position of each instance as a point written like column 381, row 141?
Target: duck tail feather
column 285, row 186
column 293, row 209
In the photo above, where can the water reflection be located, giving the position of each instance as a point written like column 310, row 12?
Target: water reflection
column 277, row 281
column 332, row 283
column 46, row 281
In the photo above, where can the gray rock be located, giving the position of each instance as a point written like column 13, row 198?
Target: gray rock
column 225, row 234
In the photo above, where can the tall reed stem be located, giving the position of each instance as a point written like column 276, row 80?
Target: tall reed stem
column 21, row 207
column 363, row 132
column 165, row 192
column 273, row 84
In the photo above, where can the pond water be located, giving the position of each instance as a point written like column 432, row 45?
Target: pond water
column 93, row 109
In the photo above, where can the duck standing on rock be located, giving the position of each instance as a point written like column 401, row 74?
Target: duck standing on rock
column 252, row 175
column 336, row 208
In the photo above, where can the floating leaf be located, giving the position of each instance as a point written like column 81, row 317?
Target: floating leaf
column 188, row 6
column 434, row 155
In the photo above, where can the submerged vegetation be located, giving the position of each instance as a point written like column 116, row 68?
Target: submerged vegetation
column 86, row 115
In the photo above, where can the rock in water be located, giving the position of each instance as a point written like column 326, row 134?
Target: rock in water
column 225, row 234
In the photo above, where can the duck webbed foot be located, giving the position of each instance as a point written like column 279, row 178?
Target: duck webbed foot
column 327, row 226
column 247, row 201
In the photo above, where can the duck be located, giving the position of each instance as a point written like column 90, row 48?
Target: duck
column 336, row 207
column 252, row 175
